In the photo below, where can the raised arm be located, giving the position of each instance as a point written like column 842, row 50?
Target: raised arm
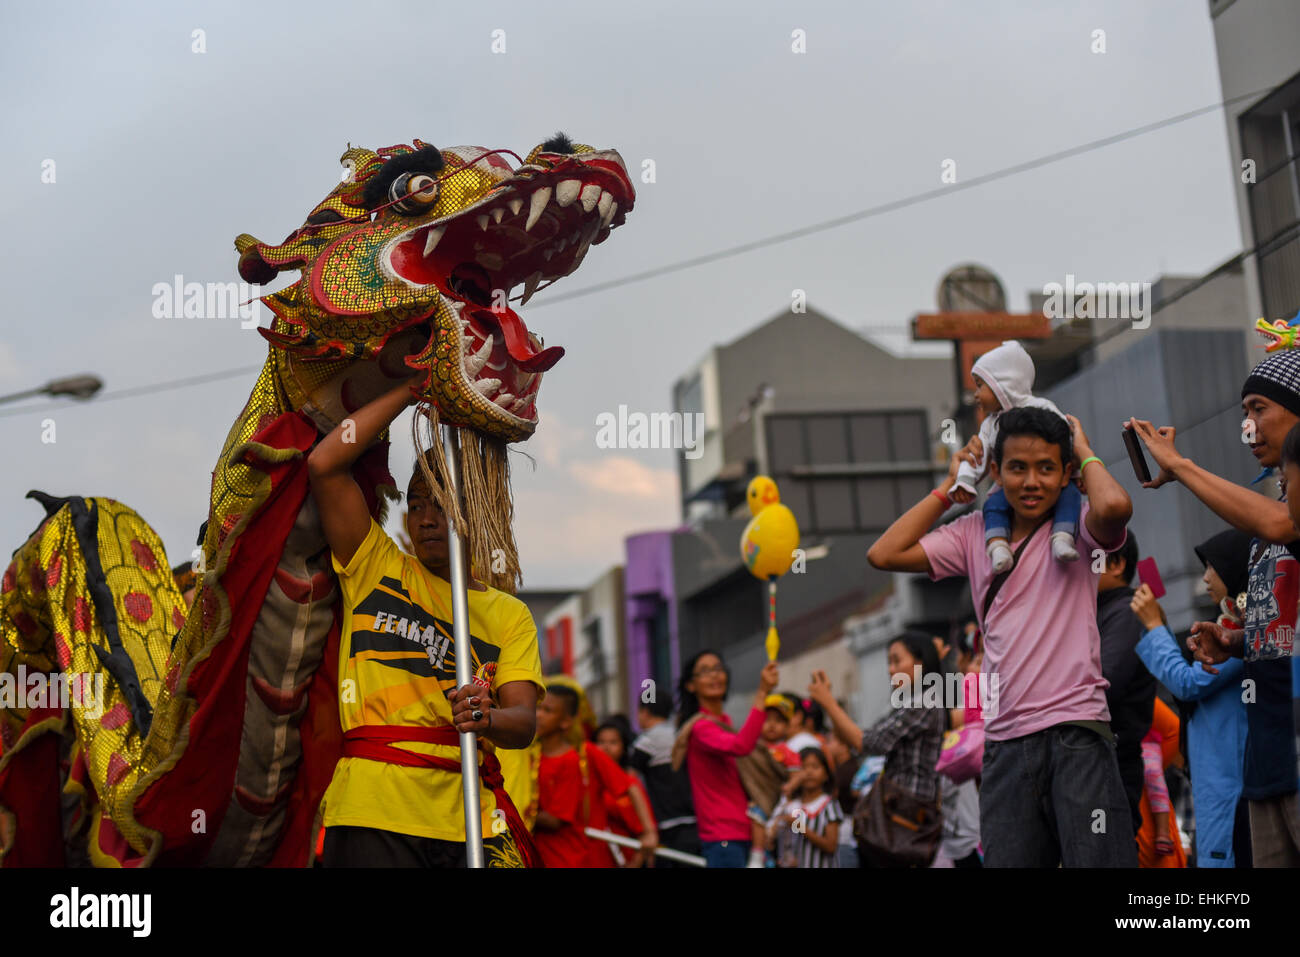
column 846, row 729
column 343, row 514
column 713, row 737
column 899, row 549
column 1110, row 508
column 1158, row 650
column 1240, row 507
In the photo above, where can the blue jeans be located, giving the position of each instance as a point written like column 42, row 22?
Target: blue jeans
column 1055, row 797
column 997, row 513
column 725, row 853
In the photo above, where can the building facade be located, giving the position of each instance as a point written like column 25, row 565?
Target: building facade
column 583, row 636
column 1259, row 72
column 850, row 433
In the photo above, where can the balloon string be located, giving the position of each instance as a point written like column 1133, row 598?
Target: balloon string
column 771, row 602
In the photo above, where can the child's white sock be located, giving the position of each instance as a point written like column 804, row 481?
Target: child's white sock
column 1000, row 554
column 1063, row 549
column 757, row 857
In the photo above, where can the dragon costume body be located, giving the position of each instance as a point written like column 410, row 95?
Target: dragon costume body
column 143, row 732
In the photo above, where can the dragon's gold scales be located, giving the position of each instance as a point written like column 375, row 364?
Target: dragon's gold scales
column 408, row 263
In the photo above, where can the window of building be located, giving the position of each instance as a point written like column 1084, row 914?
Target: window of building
column 849, row 472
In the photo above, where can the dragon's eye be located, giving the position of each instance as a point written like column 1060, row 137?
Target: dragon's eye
column 413, row 193
column 423, row 189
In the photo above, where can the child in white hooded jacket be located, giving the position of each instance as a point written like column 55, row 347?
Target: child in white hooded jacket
column 1004, row 379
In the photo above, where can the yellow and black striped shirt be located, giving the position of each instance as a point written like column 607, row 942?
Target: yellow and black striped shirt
column 397, row 661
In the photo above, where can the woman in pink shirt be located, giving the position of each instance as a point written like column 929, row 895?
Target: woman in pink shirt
column 711, row 753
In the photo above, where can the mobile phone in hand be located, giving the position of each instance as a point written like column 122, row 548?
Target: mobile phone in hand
column 1135, row 454
column 1149, row 575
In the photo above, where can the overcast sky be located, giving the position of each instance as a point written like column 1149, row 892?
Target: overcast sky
column 162, row 155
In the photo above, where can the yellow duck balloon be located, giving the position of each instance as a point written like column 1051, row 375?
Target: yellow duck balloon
column 768, row 545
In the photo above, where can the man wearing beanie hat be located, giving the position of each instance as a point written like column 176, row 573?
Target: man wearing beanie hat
column 1270, row 400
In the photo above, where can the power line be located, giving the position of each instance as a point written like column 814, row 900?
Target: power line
column 773, row 240
column 893, row 205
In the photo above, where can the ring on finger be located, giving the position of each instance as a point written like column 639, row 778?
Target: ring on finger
column 476, row 714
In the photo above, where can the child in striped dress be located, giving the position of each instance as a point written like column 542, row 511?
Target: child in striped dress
column 805, row 828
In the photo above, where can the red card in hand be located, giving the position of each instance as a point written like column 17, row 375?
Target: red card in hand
column 1149, row 575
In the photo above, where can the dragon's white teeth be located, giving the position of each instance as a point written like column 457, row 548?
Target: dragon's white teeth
column 431, row 240
column 457, row 307
column 567, row 192
column 519, row 404
column 589, row 196
column 604, row 204
column 487, row 387
column 539, row 201
column 530, row 287
column 498, row 214
column 482, row 221
column 608, row 214
column 547, row 253
column 505, row 400
column 515, row 205
column 475, row 363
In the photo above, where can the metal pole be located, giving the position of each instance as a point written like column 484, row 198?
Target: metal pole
column 665, row 852
column 464, row 673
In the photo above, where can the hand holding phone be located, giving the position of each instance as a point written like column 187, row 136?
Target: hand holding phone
column 1159, row 444
column 1136, row 456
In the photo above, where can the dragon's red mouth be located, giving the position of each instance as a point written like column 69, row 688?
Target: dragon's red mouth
column 532, row 230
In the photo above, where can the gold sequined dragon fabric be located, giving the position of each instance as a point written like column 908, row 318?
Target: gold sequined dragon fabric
column 135, row 731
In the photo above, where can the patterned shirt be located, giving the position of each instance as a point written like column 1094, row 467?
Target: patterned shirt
column 910, row 738
column 397, row 661
column 793, row 849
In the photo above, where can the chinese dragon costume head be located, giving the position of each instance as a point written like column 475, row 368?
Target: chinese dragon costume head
column 208, row 735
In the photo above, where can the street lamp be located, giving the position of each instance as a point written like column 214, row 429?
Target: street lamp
column 76, row 386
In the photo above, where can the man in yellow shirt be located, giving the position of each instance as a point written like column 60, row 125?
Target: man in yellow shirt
column 396, row 797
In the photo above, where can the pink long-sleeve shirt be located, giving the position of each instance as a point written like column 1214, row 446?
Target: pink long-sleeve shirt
column 715, row 783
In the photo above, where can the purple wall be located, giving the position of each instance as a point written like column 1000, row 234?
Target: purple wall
column 648, row 579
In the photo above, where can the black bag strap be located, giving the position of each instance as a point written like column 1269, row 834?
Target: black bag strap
column 999, row 580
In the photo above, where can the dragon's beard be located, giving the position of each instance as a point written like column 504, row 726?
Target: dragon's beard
column 483, row 514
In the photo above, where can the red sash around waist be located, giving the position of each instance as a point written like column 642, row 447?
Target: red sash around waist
column 375, row 742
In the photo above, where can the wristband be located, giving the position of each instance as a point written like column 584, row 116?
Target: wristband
column 947, row 502
column 1090, row 458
